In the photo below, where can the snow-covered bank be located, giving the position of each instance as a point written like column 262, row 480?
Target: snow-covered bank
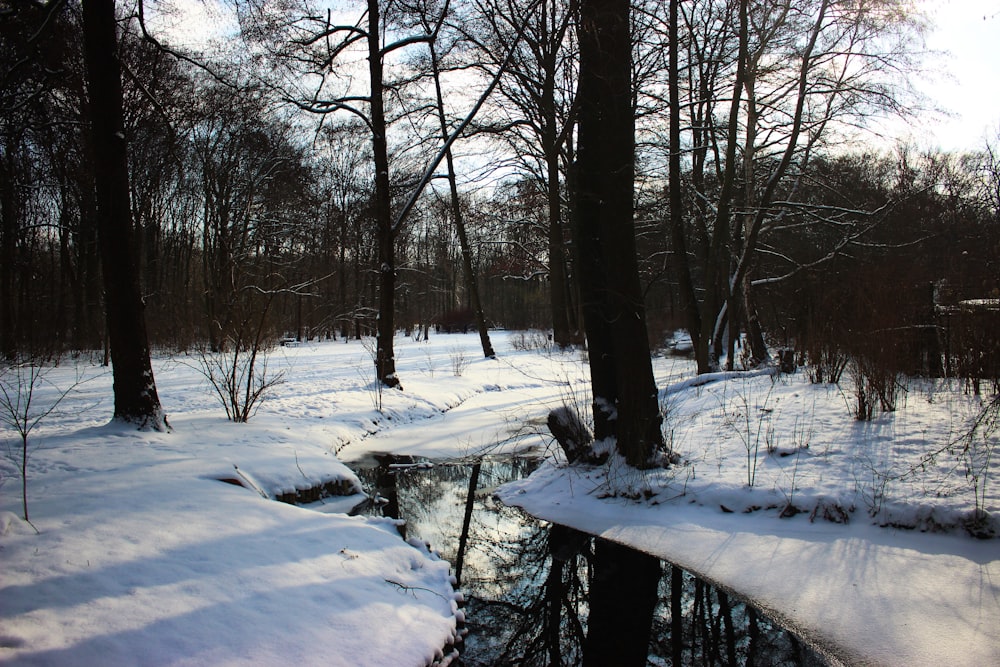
column 841, row 568
column 145, row 557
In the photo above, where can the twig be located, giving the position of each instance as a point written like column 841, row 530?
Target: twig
column 405, row 588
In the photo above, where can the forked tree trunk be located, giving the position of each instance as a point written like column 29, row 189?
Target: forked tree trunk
column 625, row 394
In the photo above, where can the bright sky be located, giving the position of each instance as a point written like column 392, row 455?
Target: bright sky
column 966, row 85
column 961, row 81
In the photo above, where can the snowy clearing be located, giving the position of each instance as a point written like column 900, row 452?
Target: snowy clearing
column 143, row 556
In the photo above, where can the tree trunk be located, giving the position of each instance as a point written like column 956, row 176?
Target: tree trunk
column 614, row 313
column 623, row 592
column 717, row 286
column 557, row 255
column 385, row 360
column 676, row 614
column 136, row 400
column 755, row 334
column 471, row 280
column 689, row 301
column 89, row 331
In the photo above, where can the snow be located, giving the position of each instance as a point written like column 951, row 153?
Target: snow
column 143, row 556
column 874, row 567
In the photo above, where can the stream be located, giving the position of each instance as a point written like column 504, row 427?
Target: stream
column 527, row 582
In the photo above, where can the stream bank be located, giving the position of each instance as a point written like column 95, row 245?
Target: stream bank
column 527, row 583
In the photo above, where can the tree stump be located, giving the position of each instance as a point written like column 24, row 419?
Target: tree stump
column 573, row 436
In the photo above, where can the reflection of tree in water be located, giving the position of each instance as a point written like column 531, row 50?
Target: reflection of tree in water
column 717, row 629
column 526, row 582
column 534, row 615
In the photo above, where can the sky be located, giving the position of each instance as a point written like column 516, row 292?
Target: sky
column 965, row 31
column 958, row 81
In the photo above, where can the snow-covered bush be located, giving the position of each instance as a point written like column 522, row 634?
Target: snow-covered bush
column 533, row 339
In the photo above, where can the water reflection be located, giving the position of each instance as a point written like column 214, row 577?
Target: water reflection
column 530, row 586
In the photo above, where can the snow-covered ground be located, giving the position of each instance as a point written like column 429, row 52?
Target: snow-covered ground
column 144, row 557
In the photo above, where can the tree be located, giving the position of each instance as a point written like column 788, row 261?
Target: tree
column 344, row 165
column 471, row 279
column 536, row 118
column 312, row 48
column 20, row 384
column 136, row 400
column 46, row 191
column 790, row 76
column 625, row 396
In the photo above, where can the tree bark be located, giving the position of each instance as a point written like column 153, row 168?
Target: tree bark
column 625, row 396
column 136, row 400
column 385, row 360
column 624, row 587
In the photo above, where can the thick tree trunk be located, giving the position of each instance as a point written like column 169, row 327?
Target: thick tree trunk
column 385, row 360
column 614, row 313
column 87, row 303
column 136, row 400
column 623, row 591
column 592, row 281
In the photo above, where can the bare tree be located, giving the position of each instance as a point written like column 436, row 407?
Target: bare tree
column 432, row 23
column 344, row 166
column 536, row 117
column 22, row 410
column 792, row 75
column 136, row 400
column 314, row 45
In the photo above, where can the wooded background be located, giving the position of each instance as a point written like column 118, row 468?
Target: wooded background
column 254, row 167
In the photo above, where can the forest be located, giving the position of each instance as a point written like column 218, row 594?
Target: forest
column 662, row 208
column 321, row 172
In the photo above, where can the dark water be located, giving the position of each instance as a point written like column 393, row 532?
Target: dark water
column 528, row 583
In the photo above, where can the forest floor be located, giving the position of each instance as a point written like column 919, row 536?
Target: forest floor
column 856, row 533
